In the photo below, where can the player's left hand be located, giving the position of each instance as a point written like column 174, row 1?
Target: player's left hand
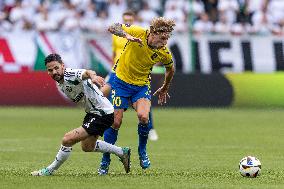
column 162, row 94
column 98, row 80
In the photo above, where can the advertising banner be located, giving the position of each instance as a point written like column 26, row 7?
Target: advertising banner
column 208, row 53
column 25, row 51
column 266, row 90
column 30, row 89
column 226, row 54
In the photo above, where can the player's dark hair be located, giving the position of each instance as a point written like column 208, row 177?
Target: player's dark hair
column 53, row 57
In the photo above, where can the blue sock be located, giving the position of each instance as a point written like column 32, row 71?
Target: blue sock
column 143, row 131
column 110, row 136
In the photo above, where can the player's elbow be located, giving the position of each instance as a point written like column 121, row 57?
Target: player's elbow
column 171, row 70
column 110, row 29
column 113, row 27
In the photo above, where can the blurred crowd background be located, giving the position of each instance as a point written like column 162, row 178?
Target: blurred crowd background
column 237, row 17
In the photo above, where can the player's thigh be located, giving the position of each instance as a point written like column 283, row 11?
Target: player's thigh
column 141, row 95
column 74, row 136
column 88, row 145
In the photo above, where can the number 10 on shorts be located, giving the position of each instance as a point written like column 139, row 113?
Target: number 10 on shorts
column 115, row 99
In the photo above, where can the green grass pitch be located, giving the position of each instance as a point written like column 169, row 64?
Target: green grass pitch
column 197, row 148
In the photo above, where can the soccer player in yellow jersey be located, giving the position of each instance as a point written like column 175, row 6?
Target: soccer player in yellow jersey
column 110, row 134
column 144, row 48
column 118, row 45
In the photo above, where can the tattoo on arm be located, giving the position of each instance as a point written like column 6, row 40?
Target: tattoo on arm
column 116, row 29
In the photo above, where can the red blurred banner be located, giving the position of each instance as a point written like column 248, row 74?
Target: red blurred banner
column 30, row 89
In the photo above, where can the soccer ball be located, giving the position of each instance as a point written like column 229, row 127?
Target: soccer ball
column 250, row 167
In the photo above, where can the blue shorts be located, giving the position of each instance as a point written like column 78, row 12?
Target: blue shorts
column 123, row 93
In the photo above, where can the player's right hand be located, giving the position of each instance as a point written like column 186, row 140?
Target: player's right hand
column 98, row 80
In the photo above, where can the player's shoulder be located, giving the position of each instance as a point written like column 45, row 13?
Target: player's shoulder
column 134, row 28
column 69, row 72
column 74, row 73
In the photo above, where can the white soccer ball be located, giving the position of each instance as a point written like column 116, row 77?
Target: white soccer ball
column 250, row 167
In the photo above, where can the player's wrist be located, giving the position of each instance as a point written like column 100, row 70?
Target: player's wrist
column 165, row 87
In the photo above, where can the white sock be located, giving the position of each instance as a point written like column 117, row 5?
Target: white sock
column 102, row 146
column 62, row 155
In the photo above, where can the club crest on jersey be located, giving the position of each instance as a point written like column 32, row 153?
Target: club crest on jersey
column 68, row 89
column 155, row 55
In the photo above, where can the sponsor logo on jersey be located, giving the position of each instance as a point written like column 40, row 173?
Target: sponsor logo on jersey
column 78, row 97
column 155, row 55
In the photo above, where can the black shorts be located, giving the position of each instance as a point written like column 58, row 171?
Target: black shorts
column 96, row 125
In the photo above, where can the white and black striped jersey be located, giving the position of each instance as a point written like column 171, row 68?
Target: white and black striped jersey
column 84, row 92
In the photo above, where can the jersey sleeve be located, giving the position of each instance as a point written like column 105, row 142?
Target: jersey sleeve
column 74, row 75
column 135, row 31
column 168, row 59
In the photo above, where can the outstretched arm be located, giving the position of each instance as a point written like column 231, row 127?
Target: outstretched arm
column 116, row 29
column 162, row 92
column 90, row 74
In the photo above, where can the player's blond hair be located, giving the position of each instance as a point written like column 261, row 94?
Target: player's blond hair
column 162, row 25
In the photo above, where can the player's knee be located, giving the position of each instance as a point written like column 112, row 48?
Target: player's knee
column 67, row 140
column 143, row 118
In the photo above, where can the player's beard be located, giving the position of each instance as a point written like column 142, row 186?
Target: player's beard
column 57, row 77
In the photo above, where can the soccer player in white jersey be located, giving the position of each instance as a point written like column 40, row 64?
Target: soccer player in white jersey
column 80, row 86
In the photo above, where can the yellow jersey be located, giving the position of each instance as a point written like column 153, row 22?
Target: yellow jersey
column 135, row 63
